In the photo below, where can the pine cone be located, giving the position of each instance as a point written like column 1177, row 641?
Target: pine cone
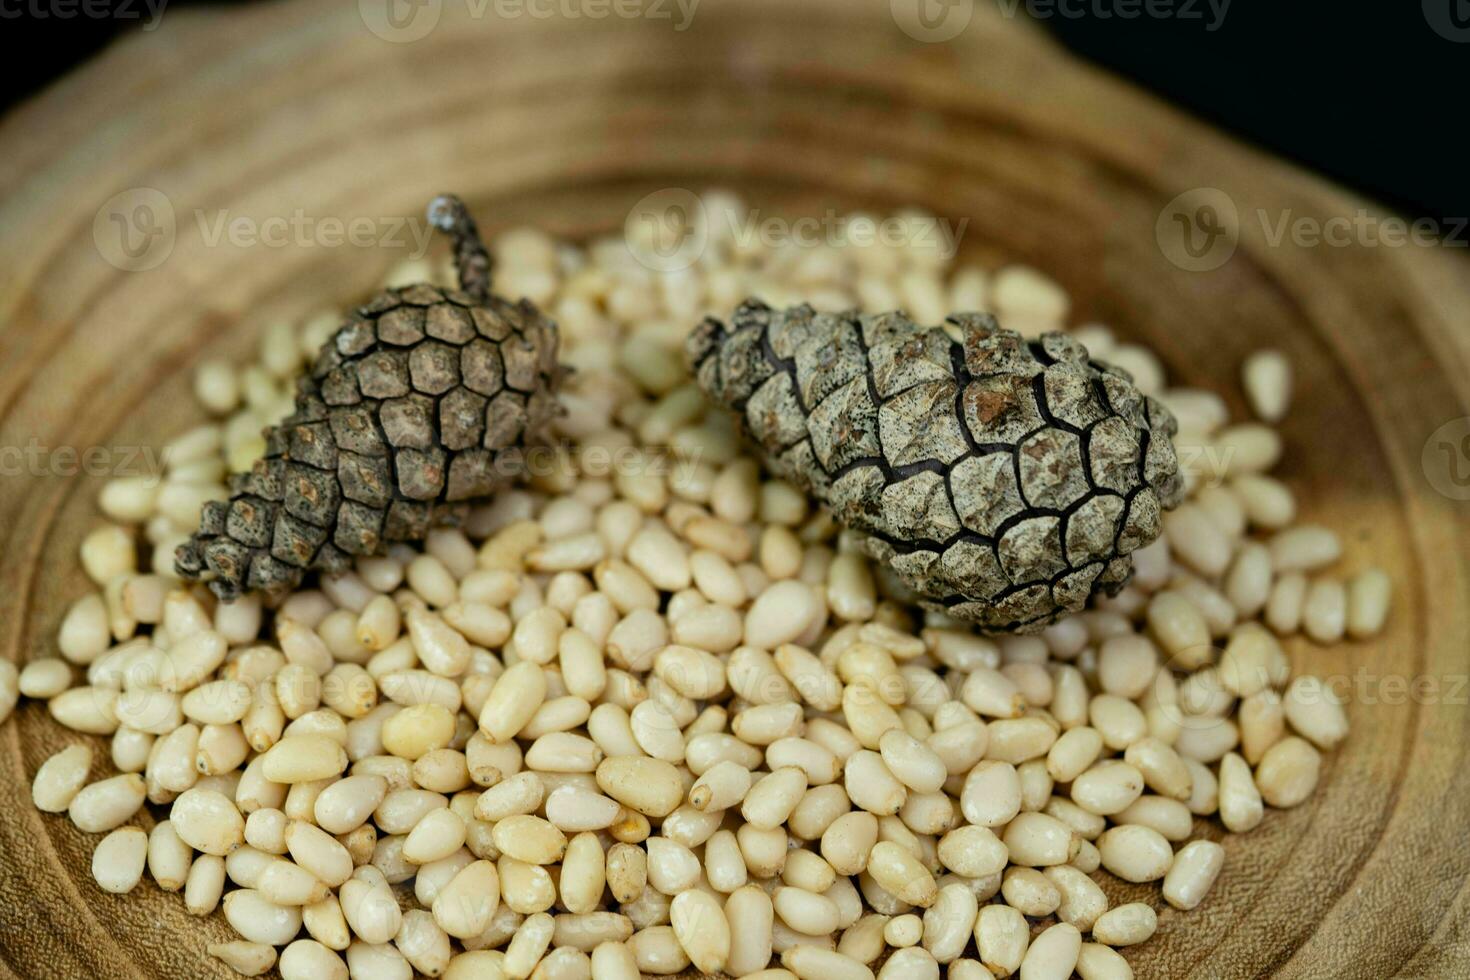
column 1005, row 481
column 424, row 400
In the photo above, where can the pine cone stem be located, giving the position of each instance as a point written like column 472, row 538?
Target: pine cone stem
column 449, row 214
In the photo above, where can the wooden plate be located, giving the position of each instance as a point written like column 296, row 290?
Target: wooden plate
column 802, row 107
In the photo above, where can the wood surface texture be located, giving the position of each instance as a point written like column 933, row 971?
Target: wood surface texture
column 801, row 107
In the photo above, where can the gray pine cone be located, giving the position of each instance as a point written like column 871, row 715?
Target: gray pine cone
column 424, row 400
column 1004, row 480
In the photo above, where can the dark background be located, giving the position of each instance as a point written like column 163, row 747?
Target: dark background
column 1368, row 92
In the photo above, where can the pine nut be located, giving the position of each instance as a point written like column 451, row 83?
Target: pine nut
column 108, row 804
column 1284, row 607
column 1053, row 954
column 650, row 786
column 1314, row 711
column 898, row 871
column 1369, row 595
column 1135, row 853
column 1098, row 962
column 1288, row 772
column 1324, row 611
column 513, row 701
column 260, row 921
column 117, row 863
column 245, row 958
column 815, row 963
column 303, row 759
column 1002, row 937
column 1030, row 891
column 1192, row 874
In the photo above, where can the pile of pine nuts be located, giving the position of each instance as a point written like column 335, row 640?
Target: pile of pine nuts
column 652, row 711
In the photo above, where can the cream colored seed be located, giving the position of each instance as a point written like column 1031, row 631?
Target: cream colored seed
column 205, row 884
column 1196, row 540
column 991, row 796
column 721, row 786
column 1098, row 962
column 304, row 758
column 1288, row 772
column 903, row 930
column 1030, row 891
column 307, row 959
column 1262, row 723
column 1053, row 954
column 898, row 871
column 912, row 762
column 1135, row 853
column 1315, row 712
column 1284, row 607
column 245, row 958
column 45, row 678
column 1073, row 753
column 1253, row 660
column 650, row 786
column 772, row 798
column 870, row 784
column 208, row 821
column 781, row 614
column 60, row 778
column 1180, row 629
column 702, row 929
column 1369, row 594
column 1126, row 925
column 259, row 920
column 1240, row 800
column 1324, row 611
column 1161, row 767
column 513, row 701
column 117, row 863
column 1193, row 873
column 815, row 963
column 1107, row 788
column 1002, row 937
column 108, row 804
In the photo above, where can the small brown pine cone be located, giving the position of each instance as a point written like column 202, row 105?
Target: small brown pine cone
column 1004, row 480
column 424, row 400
